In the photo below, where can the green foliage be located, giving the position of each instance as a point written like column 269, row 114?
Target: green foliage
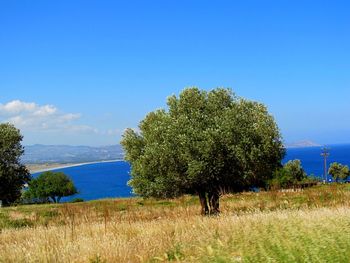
column 13, row 174
column 7, row 222
column 174, row 254
column 291, row 174
column 338, row 171
column 54, row 185
column 205, row 140
column 97, row 259
column 77, row 200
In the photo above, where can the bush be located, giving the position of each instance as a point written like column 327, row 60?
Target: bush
column 339, row 171
column 77, row 200
column 290, row 175
column 50, row 185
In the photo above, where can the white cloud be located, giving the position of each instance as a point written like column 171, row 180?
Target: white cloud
column 46, row 110
column 48, row 124
column 16, row 107
column 34, row 117
column 70, row 117
column 114, row 132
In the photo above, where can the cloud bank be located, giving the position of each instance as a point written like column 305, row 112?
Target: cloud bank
column 34, row 117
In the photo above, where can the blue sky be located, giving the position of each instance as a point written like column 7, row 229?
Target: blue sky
column 80, row 72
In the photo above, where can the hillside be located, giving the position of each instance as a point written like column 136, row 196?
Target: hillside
column 307, row 226
column 42, row 154
column 302, row 144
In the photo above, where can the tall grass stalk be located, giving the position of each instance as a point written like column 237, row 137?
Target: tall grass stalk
column 308, row 226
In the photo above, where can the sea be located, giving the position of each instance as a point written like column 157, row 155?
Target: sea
column 109, row 179
column 98, row 180
column 312, row 160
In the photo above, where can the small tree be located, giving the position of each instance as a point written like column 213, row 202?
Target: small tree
column 289, row 175
column 338, row 171
column 54, row 185
column 13, row 174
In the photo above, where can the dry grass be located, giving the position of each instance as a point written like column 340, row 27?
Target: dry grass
column 308, row 226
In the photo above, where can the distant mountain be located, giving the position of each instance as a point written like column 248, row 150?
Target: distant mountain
column 40, row 154
column 302, row 144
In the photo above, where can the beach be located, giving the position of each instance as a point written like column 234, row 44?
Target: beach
column 38, row 168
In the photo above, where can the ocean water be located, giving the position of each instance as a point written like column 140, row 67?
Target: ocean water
column 313, row 162
column 104, row 180
column 99, row 180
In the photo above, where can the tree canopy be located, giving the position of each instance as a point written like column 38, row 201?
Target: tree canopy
column 204, row 142
column 54, row 185
column 13, row 174
column 338, row 171
column 290, row 175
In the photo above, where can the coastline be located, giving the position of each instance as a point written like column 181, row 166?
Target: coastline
column 39, row 168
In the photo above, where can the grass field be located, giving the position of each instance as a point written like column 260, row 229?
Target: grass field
column 308, row 226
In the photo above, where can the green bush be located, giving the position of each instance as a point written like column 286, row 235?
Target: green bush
column 50, row 185
column 77, row 200
column 290, row 175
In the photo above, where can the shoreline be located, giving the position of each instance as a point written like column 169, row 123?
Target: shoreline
column 51, row 167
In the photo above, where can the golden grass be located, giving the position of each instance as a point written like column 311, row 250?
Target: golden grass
column 310, row 226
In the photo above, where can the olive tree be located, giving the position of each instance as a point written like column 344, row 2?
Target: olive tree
column 338, row 171
column 204, row 143
column 290, row 175
column 13, row 174
column 54, row 185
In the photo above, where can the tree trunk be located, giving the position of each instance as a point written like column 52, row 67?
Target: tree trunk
column 204, row 204
column 210, row 204
column 214, row 197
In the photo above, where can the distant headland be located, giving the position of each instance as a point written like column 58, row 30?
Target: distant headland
column 302, row 144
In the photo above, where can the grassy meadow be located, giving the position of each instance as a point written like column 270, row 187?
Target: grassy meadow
column 312, row 225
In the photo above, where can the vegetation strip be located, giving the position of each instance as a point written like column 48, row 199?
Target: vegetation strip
column 311, row 224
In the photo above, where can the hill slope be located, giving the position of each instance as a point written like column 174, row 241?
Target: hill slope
column 40, row 154
column 307, row 226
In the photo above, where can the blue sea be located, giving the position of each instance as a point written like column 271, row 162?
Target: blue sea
column 313, row 162
column 99, row 180
column 109, row 179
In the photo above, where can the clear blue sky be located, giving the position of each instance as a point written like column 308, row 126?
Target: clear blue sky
column 80, row 72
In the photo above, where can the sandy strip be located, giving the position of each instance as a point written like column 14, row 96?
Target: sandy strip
column 38, row 170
